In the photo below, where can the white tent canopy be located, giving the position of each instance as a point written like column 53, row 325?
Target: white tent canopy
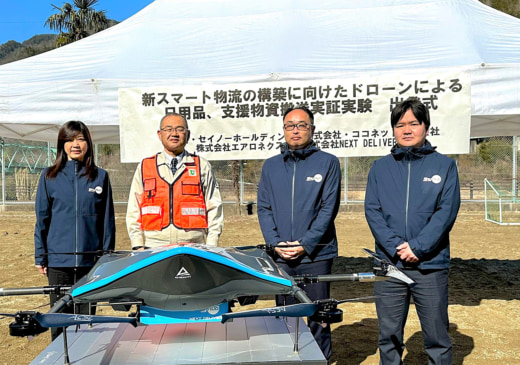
column 180, row 42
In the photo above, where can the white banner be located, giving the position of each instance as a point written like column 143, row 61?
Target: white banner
column 242, row 121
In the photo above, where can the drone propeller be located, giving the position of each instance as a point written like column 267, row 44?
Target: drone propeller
column 374, row 255
column 389, row 269
column 29, row 323
column 293, row 310
column 64, row 320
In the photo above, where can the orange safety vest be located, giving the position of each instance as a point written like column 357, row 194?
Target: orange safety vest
column 181, row 203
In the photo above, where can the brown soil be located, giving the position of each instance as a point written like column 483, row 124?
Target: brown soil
column 484, row 289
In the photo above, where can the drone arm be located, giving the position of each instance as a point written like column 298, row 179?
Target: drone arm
column 61, row 303
column 300, row 295
column 308, row 279
column 34, row 290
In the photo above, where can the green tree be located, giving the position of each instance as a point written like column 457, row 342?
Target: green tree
column 76, row 22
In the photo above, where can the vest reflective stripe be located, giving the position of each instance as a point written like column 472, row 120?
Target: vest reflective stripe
column 182, row 203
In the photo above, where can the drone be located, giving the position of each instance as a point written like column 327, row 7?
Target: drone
column 186, row 283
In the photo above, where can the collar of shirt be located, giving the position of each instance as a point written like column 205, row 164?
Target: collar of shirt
column 169, row 157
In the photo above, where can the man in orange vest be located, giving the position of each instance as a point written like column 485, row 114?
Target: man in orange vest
column 174, row 196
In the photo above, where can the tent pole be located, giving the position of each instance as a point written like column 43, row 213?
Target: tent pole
column 241, row 182
column 345, row 178
column 515, row 162
column 2, row 142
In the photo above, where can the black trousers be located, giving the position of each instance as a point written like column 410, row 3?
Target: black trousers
column 67, row 276
column 321, row 332
column 430, row 295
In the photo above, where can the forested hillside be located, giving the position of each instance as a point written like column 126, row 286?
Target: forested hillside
column 13, row 51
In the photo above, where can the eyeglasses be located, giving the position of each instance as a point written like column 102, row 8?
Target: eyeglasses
column 170, row 130
column 299, row 126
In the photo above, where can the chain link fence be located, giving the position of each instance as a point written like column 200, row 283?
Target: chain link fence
column 492, row 158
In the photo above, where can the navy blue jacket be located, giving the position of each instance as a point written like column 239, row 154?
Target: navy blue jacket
column 413, row 196
column 73, row 215
column 298, row 199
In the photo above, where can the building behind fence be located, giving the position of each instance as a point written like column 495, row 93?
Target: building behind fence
column 494, row 159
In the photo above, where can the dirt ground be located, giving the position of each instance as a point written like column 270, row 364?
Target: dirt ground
column 484, row 289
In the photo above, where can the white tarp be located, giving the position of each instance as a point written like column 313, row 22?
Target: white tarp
column 196, row 42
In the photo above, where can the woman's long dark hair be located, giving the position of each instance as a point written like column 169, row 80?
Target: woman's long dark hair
column 67, row 133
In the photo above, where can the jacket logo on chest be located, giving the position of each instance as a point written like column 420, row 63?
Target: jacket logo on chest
column 98, row 190
column 192, row 172
column 436, row 179
column 316, row 178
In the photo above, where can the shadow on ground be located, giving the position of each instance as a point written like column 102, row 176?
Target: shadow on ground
column 470, row 281
column 357, row 349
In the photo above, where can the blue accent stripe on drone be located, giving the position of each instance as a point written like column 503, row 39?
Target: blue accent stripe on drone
column 151, row 315
column 183, row 250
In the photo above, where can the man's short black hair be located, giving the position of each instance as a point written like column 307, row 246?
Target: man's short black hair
column 300, row 107
column 416, row 106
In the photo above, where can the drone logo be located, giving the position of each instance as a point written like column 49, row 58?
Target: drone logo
column 276, row 310
column 183, row 274
column 82, row 318
column 213, row 309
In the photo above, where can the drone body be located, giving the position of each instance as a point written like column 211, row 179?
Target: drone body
column 180, row 278
column 186, row 283
column 182, row 283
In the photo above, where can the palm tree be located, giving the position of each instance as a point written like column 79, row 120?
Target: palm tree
column 73, row 24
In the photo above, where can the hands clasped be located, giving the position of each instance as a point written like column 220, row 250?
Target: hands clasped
column 289, row 250
column 405, row 253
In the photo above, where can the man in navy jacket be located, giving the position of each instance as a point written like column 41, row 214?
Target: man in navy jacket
column 298, row 200
column 411, row 203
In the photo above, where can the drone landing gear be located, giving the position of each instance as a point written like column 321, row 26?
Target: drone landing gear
column 328, row 313
column 295, row 348
column 66, row 359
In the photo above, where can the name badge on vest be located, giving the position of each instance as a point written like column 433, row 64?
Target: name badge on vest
column 152, row 210
column 193, row 211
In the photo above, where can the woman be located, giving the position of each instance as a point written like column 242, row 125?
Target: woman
column 74, row 212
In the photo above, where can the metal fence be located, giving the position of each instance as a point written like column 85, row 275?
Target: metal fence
column 492, row 158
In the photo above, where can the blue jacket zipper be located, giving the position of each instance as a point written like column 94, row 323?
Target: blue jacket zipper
column 292, row 199
column 76, row 207
column 407, row 200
